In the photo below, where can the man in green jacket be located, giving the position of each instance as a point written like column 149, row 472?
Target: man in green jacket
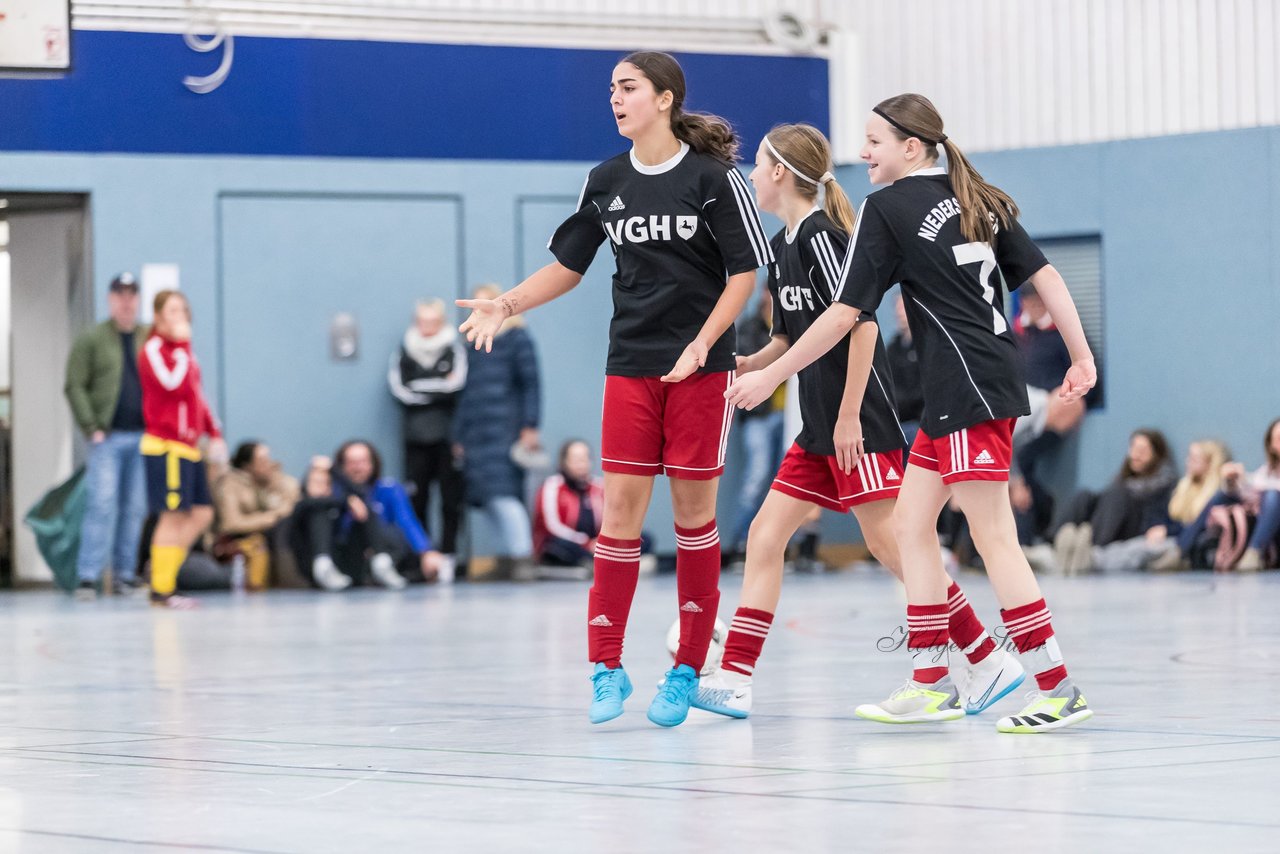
column 106, row 400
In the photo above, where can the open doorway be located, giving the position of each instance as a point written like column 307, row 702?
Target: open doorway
column 45, row 299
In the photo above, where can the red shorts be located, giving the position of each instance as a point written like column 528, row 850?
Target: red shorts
column 980, row 452
column 677, row 429
column 817, row 478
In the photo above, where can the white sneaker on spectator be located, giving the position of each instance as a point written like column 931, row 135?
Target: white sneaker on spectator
column 1043, row 559
column 327, row 575
column 648, row 564
column 448, row 570
column 383, row 570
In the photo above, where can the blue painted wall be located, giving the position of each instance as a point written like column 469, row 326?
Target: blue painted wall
column 270, row 247
column 316, row 97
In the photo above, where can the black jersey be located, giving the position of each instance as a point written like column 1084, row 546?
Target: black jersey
column 909, row 232
column 677, row 231
column 803, row 282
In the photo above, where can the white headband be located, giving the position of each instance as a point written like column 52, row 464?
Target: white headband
column 826, row 176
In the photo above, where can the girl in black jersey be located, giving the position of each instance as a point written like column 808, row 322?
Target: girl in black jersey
column 942, row 234
column 848, row 456
column 687, row 241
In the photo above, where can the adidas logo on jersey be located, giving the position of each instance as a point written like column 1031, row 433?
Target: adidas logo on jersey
column 983, row 459
column 892, row 475
column 601, row 620
column 616, row 204
column 691, row 607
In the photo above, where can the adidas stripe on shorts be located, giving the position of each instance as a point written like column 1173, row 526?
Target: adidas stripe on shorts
column 817, row 478
column 981, row 452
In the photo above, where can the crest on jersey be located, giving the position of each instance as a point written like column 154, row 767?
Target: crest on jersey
column 686, row 226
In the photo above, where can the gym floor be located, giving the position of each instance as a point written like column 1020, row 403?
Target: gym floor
column 455, row 719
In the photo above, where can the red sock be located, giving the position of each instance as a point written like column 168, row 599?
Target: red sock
column 698, row 586
column 746, row 638
column 927, row 639
column 617, row 566
column 1032, row 632
column 965, row 627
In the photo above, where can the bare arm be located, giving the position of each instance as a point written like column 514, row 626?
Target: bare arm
column 733, row 299
column 848, row 431
column 1082, row 375
column 542, row 287
column 765, row 356
column 826, row 331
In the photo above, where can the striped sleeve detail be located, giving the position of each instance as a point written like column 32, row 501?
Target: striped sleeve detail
column 848, row 256
column 820, row 243
column 750, row 218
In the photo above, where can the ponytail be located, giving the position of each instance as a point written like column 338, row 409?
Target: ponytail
column 806, row 154
column 837, row 207
column 706, row 134
column 982, row 205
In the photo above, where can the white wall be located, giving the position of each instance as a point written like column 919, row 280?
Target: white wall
column 44, row 249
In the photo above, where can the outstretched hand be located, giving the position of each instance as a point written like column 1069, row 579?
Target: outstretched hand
column 486, row 319
column 1081, row 377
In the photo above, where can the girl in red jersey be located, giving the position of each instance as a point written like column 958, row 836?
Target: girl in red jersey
column 176, row 416
column 941, row 234
column 687, row 241
column 848, row 456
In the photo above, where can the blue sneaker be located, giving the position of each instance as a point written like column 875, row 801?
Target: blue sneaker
column 611, row 687
column 671, row 706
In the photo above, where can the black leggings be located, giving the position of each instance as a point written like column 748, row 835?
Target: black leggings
column 434, row 463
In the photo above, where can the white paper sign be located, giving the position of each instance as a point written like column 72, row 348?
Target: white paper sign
column 156, row 278
column 35, row 35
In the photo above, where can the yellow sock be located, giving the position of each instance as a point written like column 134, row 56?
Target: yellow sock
column 165, row 563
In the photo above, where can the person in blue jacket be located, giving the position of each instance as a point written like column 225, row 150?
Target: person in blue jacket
column 377, row 529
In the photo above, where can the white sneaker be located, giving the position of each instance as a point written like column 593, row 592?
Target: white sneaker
column 327, row 575
column 916, row 703
column 448, row 569
column 982, row 684
column 383, row 570
column 725, row 693
column 648, row 564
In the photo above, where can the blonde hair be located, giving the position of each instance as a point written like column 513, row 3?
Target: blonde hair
column 807, row 155
column 1191, row 494
column 981, row 204
column 435, row 305
column 491, row 290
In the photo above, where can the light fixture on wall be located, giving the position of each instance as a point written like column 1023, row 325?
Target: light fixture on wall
column 791, row 31
column 4, row 203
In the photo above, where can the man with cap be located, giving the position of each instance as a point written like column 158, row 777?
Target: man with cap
column 106, row 400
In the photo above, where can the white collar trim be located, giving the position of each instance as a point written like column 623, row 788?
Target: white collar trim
column 665, row 166
column 790, row 236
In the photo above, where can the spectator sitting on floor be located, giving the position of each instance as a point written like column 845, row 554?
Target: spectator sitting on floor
column 378, row 527
column 1157, row 547
column 1259, row 492
column 250, row 500
column 314, row 523
column 1135, row 501
column 568, row 511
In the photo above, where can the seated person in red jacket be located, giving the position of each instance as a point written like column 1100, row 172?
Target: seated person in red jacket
column 567, row 511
